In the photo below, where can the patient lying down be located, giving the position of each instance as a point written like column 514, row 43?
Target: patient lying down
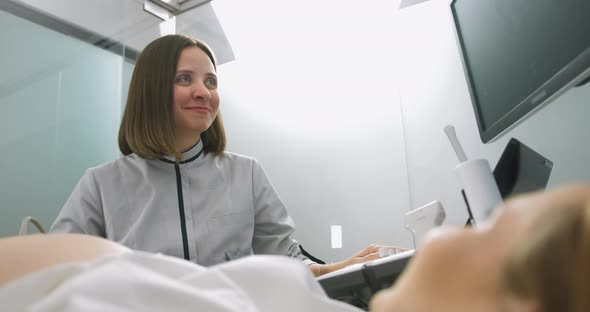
column 118, row 279
column 534, row 255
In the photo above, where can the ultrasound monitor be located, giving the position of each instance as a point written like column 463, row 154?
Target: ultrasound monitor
column 520, row 55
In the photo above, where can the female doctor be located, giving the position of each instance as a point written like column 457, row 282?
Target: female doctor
column 176, row 191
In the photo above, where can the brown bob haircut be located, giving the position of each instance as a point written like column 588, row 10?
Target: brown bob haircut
column 147, row 127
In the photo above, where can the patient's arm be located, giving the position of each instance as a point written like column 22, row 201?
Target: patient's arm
column 30, row 253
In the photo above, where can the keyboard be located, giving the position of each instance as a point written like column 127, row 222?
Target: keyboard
column 357, row 283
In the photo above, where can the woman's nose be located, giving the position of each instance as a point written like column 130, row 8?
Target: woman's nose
column 201, row 92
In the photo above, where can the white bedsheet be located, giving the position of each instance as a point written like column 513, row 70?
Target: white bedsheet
column 151, row 282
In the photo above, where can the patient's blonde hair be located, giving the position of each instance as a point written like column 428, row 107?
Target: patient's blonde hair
column 551, row 266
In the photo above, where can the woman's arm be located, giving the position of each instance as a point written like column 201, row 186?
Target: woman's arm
column 273, row 226
column 369, row 253
column 82, row 212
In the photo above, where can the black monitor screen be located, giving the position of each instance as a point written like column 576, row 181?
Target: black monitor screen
column 521, row 170
column 520, row 54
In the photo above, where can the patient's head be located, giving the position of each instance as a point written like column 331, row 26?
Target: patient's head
column 550, row 269
column 508, row 264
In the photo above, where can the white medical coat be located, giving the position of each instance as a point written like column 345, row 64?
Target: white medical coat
column 230, row 207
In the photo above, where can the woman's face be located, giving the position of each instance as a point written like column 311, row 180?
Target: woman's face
column 460, row 269
column 196, row 101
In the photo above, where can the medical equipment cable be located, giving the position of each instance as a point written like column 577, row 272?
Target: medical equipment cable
column 24, row 229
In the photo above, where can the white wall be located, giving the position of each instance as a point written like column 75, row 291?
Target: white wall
column 312, row 95
column 434, row 93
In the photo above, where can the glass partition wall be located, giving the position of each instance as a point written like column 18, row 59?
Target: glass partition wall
column 61, row 101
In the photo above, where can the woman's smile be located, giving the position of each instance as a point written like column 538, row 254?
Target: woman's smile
column 199, row 109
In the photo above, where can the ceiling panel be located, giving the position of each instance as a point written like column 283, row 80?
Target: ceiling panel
column 125, row 21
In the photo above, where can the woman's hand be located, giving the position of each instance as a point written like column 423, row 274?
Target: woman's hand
column 371, row 252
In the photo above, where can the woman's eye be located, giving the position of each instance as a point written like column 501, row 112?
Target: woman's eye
column 183, row 79
column 211, row 82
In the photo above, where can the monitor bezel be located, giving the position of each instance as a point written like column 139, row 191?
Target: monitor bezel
column 574, row 72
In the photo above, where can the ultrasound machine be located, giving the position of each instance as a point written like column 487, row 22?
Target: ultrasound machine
column 520, row 169
column 544, row 60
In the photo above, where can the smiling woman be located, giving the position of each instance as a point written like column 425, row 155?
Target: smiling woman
column 196, row 102
column 180, row 73
column 176, row 190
